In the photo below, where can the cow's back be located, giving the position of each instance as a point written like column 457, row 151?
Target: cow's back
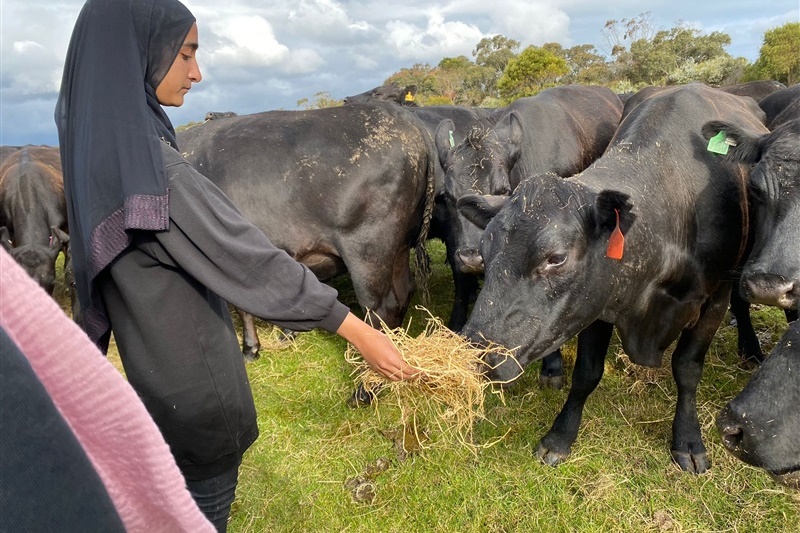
column 777, row 106
column 566, row 128
column 685, row 197
column 757, row 90
column 308, row 177
column 32, row 188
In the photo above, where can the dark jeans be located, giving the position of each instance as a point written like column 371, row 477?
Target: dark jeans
column 215, row 495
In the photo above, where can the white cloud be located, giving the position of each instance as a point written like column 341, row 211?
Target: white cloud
column 245, row 41
column 326, row 18
column 22, row 47
column 303, row 61
column 438, row 39
column 31, row 68
column 531, row 23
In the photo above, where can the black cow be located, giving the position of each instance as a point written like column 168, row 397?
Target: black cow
column 781, row 106
column 757, row 90
column 638, row 97
column 761, row 425
column 389, row 92
column 33, row 212
column 557, row 264
column 340, row 189
column 453, row 123
column 560, row 130
column 772, row 273
column 215, row 115
column 456, row 123
column 749, row 347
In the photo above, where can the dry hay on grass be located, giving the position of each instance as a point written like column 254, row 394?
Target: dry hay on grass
column 448, row 398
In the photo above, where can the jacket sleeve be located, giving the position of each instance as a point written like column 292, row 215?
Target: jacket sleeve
column 215, row 244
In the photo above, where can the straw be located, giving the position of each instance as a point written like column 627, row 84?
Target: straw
column 449, row 397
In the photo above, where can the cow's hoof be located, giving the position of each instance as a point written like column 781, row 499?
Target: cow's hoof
column 750, row 362
column 250, row 356
column 549, row 456
column 287, row 336
column 551, row 382
column 361, row 397
column 696, row 463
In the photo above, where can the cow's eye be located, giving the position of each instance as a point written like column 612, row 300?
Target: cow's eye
column 555, row 260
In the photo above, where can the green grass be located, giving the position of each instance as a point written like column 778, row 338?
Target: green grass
column 618, row 478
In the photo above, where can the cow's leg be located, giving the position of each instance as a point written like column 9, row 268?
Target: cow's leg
column 688, row 450
column 552, row 373
column 749, row 348
column 383, row 287
column 385, row 295
column 250, row 343
column 441, row 229
column 592, row 347
column 466, row 289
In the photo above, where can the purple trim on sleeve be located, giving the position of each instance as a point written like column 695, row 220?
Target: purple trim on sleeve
column 110, row 238
column 147, row 212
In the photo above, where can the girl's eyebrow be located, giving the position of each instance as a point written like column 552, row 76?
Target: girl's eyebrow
column 194, row 46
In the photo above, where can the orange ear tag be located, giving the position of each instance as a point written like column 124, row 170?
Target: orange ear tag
column 616, row 242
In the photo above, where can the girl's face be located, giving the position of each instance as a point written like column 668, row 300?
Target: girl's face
column 183, row 72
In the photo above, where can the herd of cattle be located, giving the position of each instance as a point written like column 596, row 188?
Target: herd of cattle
column 580, row 209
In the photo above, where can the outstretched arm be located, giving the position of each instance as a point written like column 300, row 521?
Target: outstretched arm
column 376, row 348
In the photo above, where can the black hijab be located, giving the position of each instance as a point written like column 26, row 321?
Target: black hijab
column 110, row 129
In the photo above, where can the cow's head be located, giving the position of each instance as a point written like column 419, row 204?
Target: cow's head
column 478, row 165
column 547, row 271
column 772, row 273
column 761, row 426
column 38, row 259
column 385, row 93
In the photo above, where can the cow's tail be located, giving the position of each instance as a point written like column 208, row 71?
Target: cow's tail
column 422, row 263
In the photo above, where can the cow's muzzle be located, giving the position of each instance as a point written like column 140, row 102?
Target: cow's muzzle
column 770, row 289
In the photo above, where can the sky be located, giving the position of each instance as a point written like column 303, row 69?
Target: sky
column 259, row 55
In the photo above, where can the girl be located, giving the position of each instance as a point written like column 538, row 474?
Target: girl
column 158, row 250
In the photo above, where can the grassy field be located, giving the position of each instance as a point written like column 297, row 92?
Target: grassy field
column 619, row 477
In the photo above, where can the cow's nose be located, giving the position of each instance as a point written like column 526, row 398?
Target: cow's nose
column 732, row 436
column 730, row 429
column 769, row 289
column 471, row 260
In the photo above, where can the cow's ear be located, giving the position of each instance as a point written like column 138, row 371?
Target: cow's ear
column 613, row 219
column 740, row 145
column 407, row 98
column 480, row 209
column 443, row 137
column 5, row 237
column 515, row 133
column 58, row 238
column 608, row 204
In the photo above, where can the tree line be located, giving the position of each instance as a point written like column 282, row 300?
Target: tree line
column 639, row 55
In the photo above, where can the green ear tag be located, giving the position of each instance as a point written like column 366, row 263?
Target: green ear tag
column 452, row 141
column 717, row 144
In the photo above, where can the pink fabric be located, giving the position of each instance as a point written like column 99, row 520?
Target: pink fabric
column 108, row 418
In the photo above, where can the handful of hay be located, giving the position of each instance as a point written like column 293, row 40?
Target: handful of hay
column 448, row 397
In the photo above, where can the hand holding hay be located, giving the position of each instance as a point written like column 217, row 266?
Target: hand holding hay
column 448, row 393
